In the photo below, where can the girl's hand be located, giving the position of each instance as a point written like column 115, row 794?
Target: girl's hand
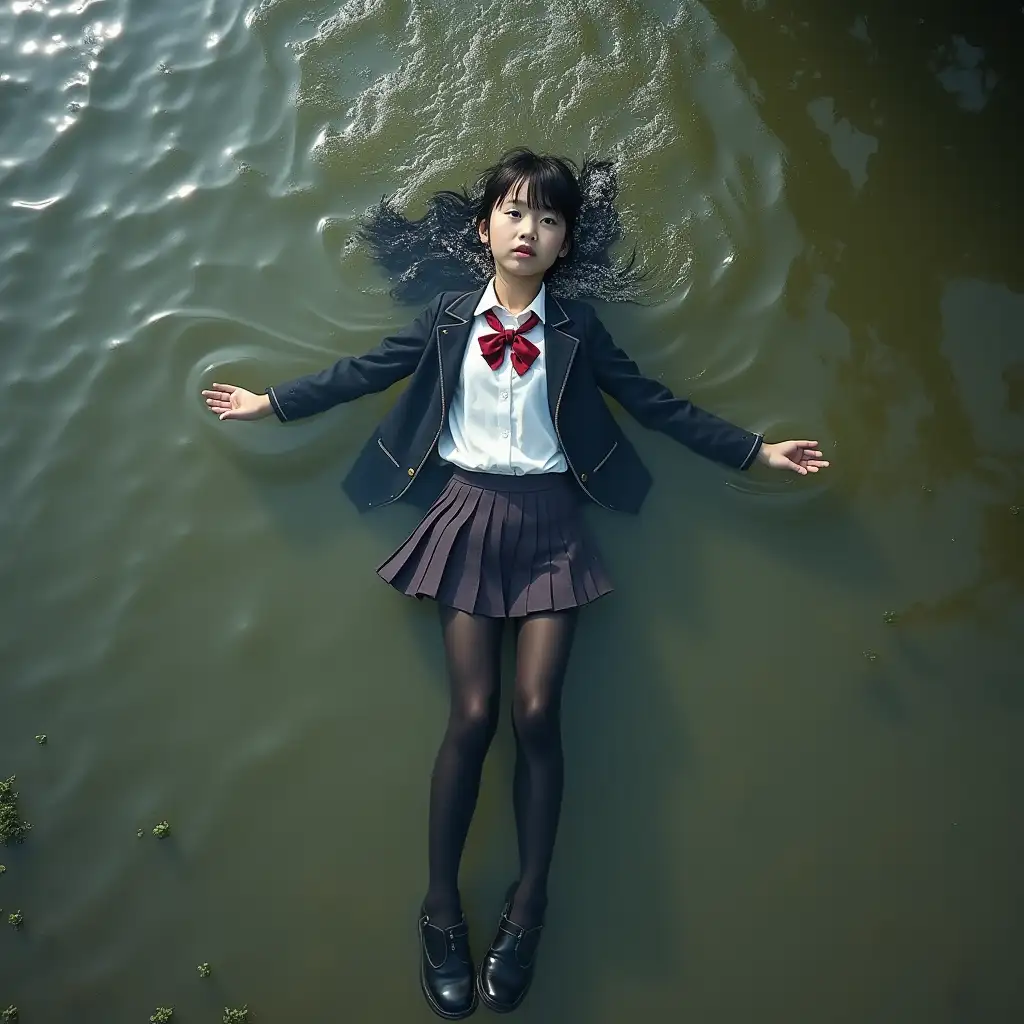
column 231, row 403
column 801, row 457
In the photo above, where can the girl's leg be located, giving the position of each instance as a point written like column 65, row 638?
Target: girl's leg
column 542, row 656
column 472, row 645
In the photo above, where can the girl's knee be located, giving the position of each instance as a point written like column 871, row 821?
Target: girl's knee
column 474, row 720
column 534, row 718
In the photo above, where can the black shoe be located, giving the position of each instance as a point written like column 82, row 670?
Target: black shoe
column 446, row 969
column 507, row 970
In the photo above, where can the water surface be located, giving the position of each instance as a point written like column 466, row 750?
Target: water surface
column 780, row 806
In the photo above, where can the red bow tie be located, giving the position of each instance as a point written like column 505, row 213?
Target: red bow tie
column 523, row 351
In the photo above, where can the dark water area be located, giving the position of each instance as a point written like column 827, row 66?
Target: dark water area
column 794, row 734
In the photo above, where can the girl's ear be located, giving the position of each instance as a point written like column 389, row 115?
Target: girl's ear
column 481, row 230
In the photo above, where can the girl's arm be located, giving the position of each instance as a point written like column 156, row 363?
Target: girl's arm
column 354, row 376
column 654, row 406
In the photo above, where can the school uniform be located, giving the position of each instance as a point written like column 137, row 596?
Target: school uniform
column 505, row 457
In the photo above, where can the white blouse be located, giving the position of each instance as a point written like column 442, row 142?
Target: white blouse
column 500, row 422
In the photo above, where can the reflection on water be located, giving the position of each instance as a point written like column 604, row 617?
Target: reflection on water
column 782, row 803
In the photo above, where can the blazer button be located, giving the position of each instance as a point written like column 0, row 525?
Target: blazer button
column 412, row 472
column 583, row 478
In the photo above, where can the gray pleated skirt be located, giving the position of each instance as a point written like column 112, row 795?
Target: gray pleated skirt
column 503, row 546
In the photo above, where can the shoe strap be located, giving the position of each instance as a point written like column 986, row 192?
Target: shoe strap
column 453, row 937
column 509, row 927
column 514, row 929
column 455, row 931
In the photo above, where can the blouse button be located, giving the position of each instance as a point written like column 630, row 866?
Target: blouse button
column 412, row 472
column 583, row 478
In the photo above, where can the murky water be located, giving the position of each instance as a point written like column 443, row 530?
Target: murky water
column 780, row 807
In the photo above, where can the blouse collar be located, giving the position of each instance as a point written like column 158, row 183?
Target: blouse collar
column 489, row 300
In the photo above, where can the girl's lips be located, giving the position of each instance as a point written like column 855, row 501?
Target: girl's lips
column 521, row 252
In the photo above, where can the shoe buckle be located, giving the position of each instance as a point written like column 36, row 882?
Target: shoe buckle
column 457, row 931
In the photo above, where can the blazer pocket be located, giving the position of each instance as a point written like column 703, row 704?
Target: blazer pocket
column 380, row 443
column 608, row 455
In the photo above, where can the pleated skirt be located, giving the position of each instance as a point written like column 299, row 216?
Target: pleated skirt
column 502, row 546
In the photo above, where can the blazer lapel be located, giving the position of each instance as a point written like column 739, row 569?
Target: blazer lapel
column 454, row 327
column 560, row 346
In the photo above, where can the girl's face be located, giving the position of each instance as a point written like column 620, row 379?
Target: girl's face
column 524, row 241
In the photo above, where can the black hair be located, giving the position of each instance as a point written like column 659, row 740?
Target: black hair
column 442, row 250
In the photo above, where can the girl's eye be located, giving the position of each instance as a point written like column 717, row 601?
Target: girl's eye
column 547, row 220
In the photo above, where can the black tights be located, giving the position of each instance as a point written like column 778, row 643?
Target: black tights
column 472, row 646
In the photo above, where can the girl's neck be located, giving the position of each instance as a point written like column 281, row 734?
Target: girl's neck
column 516, row 293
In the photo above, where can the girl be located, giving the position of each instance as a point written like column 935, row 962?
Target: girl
column 504, row 416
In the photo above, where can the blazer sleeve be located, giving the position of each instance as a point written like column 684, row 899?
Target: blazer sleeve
column 654, row 406
column 354, row 376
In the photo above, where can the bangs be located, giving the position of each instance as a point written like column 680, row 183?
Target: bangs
column 551, row 184
column 544, row 191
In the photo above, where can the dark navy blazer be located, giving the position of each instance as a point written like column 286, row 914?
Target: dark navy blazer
column 400, row 460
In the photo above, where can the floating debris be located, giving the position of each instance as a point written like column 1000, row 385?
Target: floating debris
column 1015, row 510
column 41, row 739
column 10, row 1014
column 16, row 920
column 141, row 833
column 12, row 826
column 871, row 655
column 163, row 1015
column 204, row 970
column 236, row 1016
column 161, row 830
column 3, row 868
column 889, row 618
